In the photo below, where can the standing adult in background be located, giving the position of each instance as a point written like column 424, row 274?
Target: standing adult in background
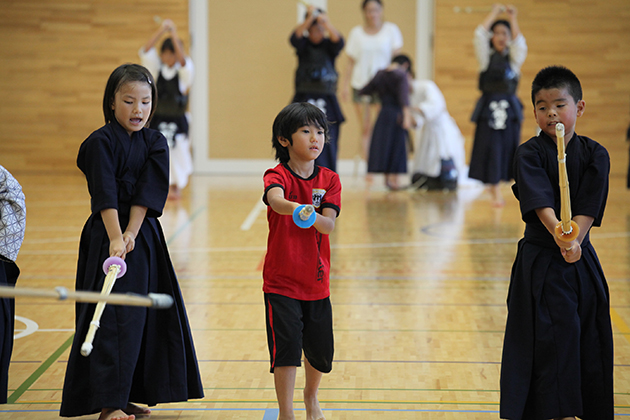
column 370, row 48
column 316, row 77
column 173, row 71
column 501, row 50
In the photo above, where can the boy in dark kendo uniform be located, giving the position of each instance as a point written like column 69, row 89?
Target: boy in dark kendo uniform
column 558, row 347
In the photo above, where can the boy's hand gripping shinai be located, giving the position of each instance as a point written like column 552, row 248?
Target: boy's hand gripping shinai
column 567, row 230
column 304, row 216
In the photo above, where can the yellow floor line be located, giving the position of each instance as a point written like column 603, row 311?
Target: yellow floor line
column 620, row 324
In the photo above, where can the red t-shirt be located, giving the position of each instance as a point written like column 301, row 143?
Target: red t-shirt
column 298, row 260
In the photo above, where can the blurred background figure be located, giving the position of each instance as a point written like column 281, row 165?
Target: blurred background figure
column 439, row 154
column 370, row 48
column 173, row 71
column 317, row 44
column 501, row 50
column 388, row 147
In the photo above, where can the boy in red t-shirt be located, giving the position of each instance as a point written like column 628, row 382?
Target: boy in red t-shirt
column 295, row 274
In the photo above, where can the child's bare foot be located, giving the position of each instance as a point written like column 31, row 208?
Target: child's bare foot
column 137, row 410
column 114, row 414
column 313, row 411
column 174, row 193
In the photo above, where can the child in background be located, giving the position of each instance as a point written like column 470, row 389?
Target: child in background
column 316, row 77
column 173, row 70
column 140, row 355
column 388, row 147
column 500, row 49
column 558, row 348
column 297, row 263
column 12, row 227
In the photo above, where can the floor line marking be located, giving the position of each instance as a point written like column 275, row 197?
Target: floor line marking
column 31, row 327
column 253, row 215
column 39, row 372
column 620, row 324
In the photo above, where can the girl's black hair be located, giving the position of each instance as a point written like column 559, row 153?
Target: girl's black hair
column 557, row 77
column 125, row 74
column 402, row 59
column 500, row 22
column 365, row 2
column 290, row 119
column 167, row 45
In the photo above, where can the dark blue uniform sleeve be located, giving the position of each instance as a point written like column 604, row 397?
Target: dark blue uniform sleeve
column 533, row 188
column 96, row 160
column 591, row 195
column 152, row 185
column 334, row 48
column 298, row 43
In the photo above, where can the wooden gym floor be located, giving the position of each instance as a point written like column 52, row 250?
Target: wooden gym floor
column 418, row 281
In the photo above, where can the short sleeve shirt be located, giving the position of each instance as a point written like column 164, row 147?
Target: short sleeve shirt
column 297, row 263
column 371, row 52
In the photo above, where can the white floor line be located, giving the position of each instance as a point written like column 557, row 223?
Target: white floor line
column 31, row 327
column 251, row 217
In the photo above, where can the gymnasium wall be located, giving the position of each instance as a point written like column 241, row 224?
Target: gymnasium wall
column 57, row 55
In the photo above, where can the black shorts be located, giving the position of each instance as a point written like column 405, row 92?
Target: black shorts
column 295, row 325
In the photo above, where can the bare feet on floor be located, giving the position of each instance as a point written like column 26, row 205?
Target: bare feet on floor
column 313, row 411
column 137, row 410
column 114, row 414
column 174, row 193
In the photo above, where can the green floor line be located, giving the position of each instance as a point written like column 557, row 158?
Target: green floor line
column 39, row 372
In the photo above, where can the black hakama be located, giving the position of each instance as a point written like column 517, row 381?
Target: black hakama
column 388, row 147
column 558, row 349
column 140, row 355
column 497, row 135
column 9, row 273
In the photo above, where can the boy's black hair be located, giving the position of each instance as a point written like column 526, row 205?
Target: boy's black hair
column 557, row 77
column 292, row 117
column 125, row 74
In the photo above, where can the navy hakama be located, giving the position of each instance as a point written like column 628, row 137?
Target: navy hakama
column 9, row 273
column 497, row 135
column 140, row 355
column 388, row 147
column 558, row 349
